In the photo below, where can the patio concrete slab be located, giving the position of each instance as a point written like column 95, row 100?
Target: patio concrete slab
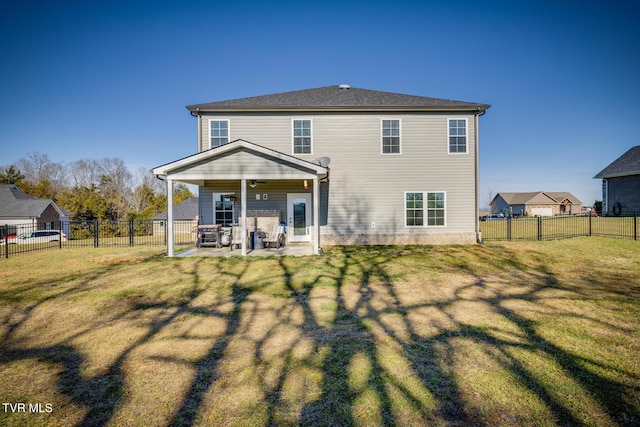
column 289, row 250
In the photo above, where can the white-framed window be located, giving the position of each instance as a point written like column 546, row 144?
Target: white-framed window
column 302, row 137
column 457, row 136
column 391, row 136
column 425, row 209
column 223, row 209
column 218, row 133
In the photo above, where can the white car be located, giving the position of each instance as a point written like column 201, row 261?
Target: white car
column 39, row 236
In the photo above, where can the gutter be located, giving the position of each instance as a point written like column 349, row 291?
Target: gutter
column 199, row 117
column 333, row 108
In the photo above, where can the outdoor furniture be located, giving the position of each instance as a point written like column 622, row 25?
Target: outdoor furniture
column 209, row 235
column 275, row 237
column 236, row 237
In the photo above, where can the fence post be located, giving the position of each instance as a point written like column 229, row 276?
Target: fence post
column 590, row 224
column 61, row 233
column 509, row 228
column 96, row 225
column 539, row 228
column 635, row 225
column 165, row 233
column 130, row 232
column 5, row 236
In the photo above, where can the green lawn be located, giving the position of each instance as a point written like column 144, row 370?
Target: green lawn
column 529, row 333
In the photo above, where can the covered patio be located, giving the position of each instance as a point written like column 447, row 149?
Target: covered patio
column 258, row 179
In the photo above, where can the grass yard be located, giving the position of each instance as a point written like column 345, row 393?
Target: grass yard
column 528, row 333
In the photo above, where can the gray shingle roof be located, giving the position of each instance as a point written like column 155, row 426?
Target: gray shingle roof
column 185, row 210
column 338, row 98
column 16, row 204
column 559, row 196
column 625, row 165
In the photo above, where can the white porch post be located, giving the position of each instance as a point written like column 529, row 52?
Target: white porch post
column 243, row 214
column 316, row 217
column 169, row 217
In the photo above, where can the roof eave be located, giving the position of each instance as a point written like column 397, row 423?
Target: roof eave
column 408, row 109
column 602, row 175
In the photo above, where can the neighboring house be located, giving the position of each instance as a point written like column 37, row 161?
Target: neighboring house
column 338, row 165
column 621, row 184
column 184, row 211
column 538, row 203
column 22, row 212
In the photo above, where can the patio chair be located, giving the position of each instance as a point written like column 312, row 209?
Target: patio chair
column 236, row 236
column 275, row 237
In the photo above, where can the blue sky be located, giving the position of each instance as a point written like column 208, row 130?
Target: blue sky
column 94, row 79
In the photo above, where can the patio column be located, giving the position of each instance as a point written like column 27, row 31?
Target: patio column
column 243, row 214
column 169, row 217
column 316, row 217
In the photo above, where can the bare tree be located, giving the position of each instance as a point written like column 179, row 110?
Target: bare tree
column 40, row 172
column 85, row 172
column 490, row 196
column 147, row 178
column 115, row 186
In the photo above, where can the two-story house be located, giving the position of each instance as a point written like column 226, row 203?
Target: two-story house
column 338, row 165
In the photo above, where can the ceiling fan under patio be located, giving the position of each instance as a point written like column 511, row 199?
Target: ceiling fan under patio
column 254, row 182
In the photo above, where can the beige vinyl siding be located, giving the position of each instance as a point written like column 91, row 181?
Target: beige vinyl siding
column 275, row 190
column 365, row 185
column 244, row 163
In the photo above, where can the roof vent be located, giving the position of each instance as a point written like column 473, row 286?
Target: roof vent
column 344, row 87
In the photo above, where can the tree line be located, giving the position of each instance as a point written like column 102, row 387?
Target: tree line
column 91, row 189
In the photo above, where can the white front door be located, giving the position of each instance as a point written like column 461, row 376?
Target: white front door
column 299, row 217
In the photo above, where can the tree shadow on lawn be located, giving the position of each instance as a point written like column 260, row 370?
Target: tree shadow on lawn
column 379, row 357
column 433, row 358
column 100, row 394
column 103, row 393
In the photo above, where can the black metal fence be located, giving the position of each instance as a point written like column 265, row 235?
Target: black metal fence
column 561, row 227
column 24, row 238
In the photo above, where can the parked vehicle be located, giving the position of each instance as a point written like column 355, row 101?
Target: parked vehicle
column 38, row 236
column 9, row 236
column 492, row 217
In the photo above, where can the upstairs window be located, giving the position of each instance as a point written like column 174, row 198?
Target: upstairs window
column 390, row 136
column 219, row 132
column 302, row 137
column 425, row 209
column 457, row 135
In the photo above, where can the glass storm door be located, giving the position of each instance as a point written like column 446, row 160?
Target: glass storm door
column 298, row 217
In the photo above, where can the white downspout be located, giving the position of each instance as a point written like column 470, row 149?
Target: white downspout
column 169, row 217
column 243, row 213
column 316, row 216
column 200, row 145
column 477, row 177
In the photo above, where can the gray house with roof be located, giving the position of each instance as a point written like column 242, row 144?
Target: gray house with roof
column 621, row 184
column 22, row 212
column 338, row 165
column 184, row 211
column 537, row 203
